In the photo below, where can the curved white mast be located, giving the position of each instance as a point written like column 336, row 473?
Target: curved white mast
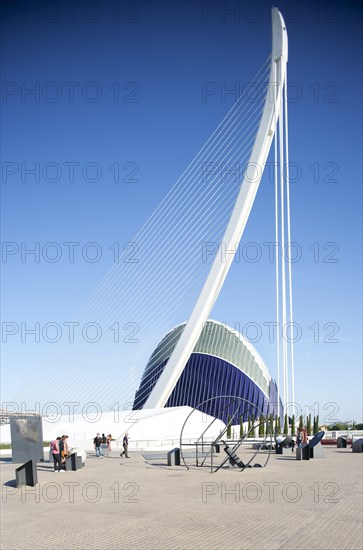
column 220, row 267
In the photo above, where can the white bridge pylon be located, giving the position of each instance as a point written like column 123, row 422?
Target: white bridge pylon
column 273, row 108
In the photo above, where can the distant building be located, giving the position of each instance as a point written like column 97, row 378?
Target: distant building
column 5, row 415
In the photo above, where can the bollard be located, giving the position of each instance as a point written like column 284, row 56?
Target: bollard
column 27, row 474
column 174, row 457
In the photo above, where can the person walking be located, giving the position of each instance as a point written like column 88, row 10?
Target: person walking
column 109, row 439
column 54, row 448
column 97, row 443
column 125, row 444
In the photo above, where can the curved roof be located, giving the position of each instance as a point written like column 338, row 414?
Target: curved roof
column 219, row 340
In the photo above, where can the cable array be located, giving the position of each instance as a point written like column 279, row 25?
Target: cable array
column 154, row 288
column 284, row 294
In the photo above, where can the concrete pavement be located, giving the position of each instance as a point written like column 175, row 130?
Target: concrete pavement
column 142, row 504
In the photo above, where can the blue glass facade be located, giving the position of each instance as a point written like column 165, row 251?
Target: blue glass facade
column 207, row 376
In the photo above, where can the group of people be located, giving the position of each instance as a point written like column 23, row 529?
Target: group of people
column 59, row 450
column 102, row 440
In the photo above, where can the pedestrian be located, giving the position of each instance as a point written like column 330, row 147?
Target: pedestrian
column 61, row 452
column 104, row 439
column 298, row 439
column 97, row 443
column 63, row 448
column 125, row 444
column 109, row 439
column 65, row 445
column 54, row 449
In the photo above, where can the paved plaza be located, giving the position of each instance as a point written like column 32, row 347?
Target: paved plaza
column 143, row 504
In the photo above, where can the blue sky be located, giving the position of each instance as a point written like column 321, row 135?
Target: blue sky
column 125, row 90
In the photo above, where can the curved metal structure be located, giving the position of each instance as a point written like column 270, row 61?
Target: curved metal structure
column 220, row 267
column 236, row 407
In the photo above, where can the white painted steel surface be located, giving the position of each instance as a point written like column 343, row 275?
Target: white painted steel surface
column 176, row 364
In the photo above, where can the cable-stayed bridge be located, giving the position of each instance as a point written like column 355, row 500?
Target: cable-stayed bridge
column 164, row 276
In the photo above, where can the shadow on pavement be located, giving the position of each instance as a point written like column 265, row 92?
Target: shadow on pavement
column 10, row 483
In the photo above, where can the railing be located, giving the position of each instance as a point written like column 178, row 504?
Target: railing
column 162, row 443
column 169, row 442
column 140, row 444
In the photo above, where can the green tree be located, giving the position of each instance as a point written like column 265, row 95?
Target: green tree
column 301, row 422
column 252, row 434
column 308, row 425
column 271, row 427
column 286, row 426
column 340, row 426
column 261, row 428
column 316, row 424
column 278, row 425
column 229, row 427
column 241, row 430
column 293, row 430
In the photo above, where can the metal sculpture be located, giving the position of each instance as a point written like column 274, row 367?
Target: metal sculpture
column 235, row 407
